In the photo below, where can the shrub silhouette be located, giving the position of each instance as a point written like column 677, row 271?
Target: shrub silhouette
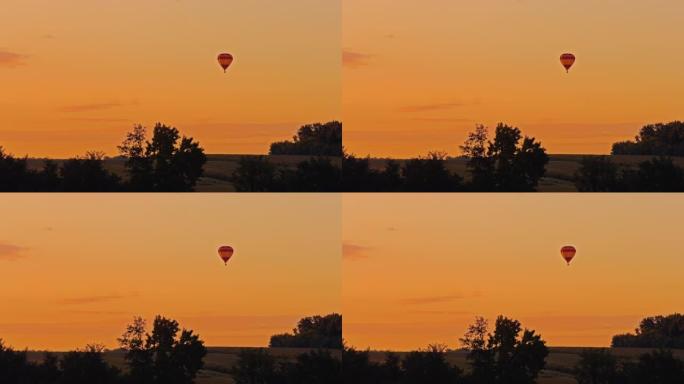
column 655, row 332
column 656, row 367
column 312, row 140
column 258, row 174
column 655, row 139
column 313, row 332
column 597, row 366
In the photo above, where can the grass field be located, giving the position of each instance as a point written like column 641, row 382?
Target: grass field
column 217, row 171
column 559, row 171
column 217, row 363
column 559, row 364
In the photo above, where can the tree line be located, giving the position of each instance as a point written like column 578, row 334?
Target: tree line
column 169, row 354
column 510, row 162
column 169, row 162
column 513, row 355
column 321, row 172
column 509, row 354
column 312, row 332
column 165, row 162
column 655, row 332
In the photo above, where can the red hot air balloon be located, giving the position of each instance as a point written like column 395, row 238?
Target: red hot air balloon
column 568, row 252
column 225, row 253
column 225, row 59
column 567, row 59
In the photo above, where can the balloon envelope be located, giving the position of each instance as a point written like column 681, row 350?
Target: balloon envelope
column 568, row 252
column 567, row 59
column 225, row 59
column 225, row 253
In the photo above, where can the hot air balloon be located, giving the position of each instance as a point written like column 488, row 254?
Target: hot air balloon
column 568, row 252
column 567, row 59
column 225, row 253
column 225, row 59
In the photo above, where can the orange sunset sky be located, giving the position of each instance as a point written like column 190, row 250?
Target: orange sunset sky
column 77, row 75
column 418, row 75
column 75, row 269
column 418, row 268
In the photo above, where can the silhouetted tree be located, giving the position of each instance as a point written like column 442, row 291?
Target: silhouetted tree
column 428, row 366
column 87, row 174
column 86, row 367
column 655, row 139
column 656, row 175
column 317, row 174
column 597, row 174
column 507, row 357
column 504, row 164
column 313, row 140
column 655, row 332
column 358, row 176
column 255, row 174
column 15, row 175
column 313, row 367
column 165, row 356
column 429, row 174
column 167, row 163
column 657, row 367
column 313, row 332
column 597, row 366
column 254, row 366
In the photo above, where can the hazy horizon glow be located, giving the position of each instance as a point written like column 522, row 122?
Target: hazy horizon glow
column 419, row 75
column 78, row 76
column 418, row 268
column 77, row 268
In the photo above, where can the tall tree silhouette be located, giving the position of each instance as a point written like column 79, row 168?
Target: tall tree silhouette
column 505, row 164
column 167, row 163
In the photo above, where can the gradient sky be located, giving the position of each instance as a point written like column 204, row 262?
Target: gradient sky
column 418, row 75
column 418, row 268
column 77, row 75
column 75, row 269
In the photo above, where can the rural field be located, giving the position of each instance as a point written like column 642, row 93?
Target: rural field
column 217, row 363
column 559, row 364
column 217, row 171
column 559, row 171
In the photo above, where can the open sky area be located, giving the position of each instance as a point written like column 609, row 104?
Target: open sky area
column 418, row 268
column 76, row 76
column 77, row 268
column 419, row 75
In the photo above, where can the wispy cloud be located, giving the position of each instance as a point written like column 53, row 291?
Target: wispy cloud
column 429, row 312
column 11, row 252
column 12, row 59
column 93, row 107
column 442, row 119
column 432, row 299
column 100, row 119
column 93, row 299
column 354, row 252
column 431, row 107
column 355, row 59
